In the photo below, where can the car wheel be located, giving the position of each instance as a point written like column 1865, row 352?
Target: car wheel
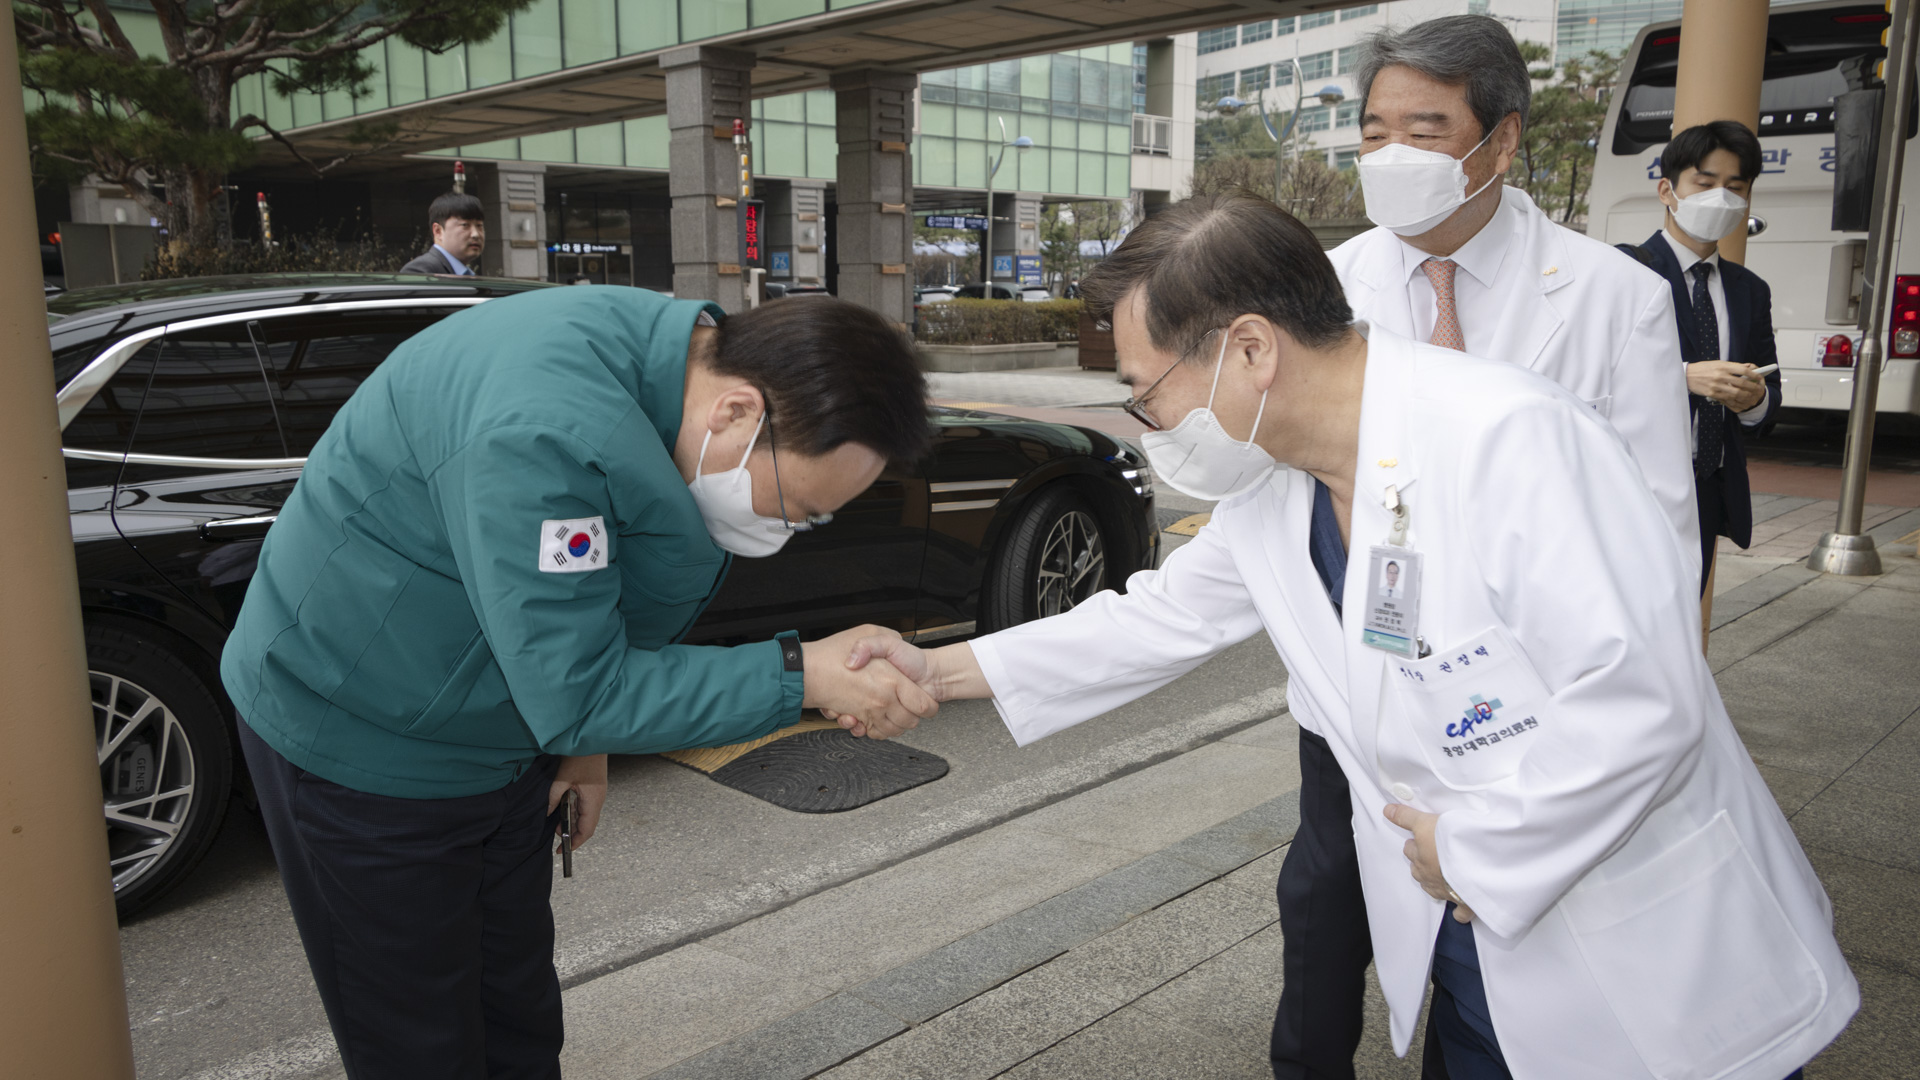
column 166, row 763
column 1054, row 557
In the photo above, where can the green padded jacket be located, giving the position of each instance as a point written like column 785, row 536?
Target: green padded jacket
column 490, row 555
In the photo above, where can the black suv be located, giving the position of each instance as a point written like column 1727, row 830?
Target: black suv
column 187, row 409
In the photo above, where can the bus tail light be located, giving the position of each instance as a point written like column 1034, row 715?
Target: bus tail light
column 1838, row 352
column 1905, row 324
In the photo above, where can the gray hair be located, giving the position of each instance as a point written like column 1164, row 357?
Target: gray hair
column 1474, row 51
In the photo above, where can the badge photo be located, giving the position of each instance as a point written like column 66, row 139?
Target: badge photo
column 573, row 546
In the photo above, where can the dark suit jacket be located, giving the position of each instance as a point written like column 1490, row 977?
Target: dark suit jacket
column 1749, row 341
column 432, row 262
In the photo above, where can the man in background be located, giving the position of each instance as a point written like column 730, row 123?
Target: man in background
column 1726, row 323
column 459, row 233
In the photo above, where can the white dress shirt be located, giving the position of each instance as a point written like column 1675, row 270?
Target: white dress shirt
column 1475, row 303
column 1716, row 292
column 460, row 267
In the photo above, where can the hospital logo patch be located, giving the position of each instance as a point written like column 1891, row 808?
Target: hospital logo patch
column 574, row 546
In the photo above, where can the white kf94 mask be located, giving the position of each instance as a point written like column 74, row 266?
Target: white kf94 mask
column 1198, row 458
column 726, row 504
column 1709, row 215
column 1409, row 190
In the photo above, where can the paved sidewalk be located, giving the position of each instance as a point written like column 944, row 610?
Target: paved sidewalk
column 1131, row 930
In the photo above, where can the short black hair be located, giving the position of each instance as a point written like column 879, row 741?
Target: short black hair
column 1690, row 147
column 455, row 204
column 832, row 373
column 1205, row 261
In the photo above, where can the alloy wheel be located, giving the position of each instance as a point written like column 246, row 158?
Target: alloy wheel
column 1072, row 564
column 146, row 774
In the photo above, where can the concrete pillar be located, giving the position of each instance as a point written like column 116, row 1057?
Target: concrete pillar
column 514, row 196
column 1723, row 51
column 93, row 201
column 1016, row 231
column 707, row 90
column 874, row 239
column 796, row 229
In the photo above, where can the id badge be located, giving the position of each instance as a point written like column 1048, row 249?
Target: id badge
column 1392, row 617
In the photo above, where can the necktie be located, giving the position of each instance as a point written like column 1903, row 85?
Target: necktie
column 1710, row 420
column 1446, row 325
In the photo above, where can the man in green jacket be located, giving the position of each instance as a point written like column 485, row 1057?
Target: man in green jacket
column 477, row 591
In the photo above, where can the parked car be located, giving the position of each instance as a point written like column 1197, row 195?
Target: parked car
column 778, row 289
column 978, row 291
column 934, row 294
column 1033, row 294
column 187, row 409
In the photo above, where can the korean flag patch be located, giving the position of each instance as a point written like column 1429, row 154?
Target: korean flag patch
column 574, row 546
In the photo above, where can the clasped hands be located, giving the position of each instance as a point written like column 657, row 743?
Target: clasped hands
column 855, row 677
column 1726, row 382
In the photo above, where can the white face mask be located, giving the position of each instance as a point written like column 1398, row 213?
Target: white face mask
column 1409, row 191
column 726, row 505
column 1709, row 215
column 1198, row 458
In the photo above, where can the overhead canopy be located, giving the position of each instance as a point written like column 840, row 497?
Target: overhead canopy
column 797, row 54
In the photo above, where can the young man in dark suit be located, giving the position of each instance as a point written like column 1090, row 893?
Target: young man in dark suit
column 459, row 234
column 1726, row 322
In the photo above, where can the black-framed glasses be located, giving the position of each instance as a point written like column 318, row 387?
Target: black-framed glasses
column 811, row 521
column 1135, row 406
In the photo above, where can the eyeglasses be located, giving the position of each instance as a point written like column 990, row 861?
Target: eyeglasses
column 811, row 521
column 1136, row 406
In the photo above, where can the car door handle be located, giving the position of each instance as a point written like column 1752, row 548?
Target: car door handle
column 239, row 528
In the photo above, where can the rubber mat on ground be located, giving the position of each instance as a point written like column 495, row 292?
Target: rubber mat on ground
column 816, row 768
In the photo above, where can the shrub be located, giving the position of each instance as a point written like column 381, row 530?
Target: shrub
column 997, row 322
column 293, row 255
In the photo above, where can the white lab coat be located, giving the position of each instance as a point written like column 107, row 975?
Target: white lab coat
column 1579, row 312
column 1643, row 908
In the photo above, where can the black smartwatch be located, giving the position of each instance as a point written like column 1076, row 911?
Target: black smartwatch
column 792, row 658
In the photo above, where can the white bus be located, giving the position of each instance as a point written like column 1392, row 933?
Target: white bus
column 1814, row 271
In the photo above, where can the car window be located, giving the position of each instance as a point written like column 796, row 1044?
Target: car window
column 330, row 358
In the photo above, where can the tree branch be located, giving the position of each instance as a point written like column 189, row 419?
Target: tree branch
column 252, row 121
column 110, row 30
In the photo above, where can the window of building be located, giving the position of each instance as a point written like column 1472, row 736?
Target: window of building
column 1344, row 159
column 1318, row 118
column 1255, row 31
column 1225, row 37
column 1317, row 65
column 1318, row 18
column 1283, row 74
column 1255, row 79
column 1209, row 89
column 1477, row 7
column 1347, row 59
column 1347, row 114
column 1283, row 27
column 1368, row 9
column 1139, row 78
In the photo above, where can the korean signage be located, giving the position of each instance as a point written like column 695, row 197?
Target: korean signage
column 753, row 248
column 1002, row 266
column 577, row 248
column 945, row 221
column 1027, row 269
column 782, row 265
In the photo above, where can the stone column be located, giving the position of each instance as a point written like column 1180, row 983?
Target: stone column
column 1016, row 230
column 514, row 196
column 796, row 228
column 707, row 90
column 874, row 115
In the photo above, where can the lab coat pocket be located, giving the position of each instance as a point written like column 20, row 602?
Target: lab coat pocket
column 1696, row 957
column 1602, row 405
column 1474, row 708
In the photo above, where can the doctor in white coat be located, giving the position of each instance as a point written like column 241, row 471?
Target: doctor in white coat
column 1556, row 821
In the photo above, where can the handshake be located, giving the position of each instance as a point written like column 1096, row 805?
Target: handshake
column 875, row 684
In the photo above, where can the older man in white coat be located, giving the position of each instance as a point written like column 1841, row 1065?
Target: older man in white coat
column 1556, row 820
column 1461, row 260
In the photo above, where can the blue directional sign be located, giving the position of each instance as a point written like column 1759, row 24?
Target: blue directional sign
column 1027, row 269
column 1003, row 266
column 782, row 264
column 951, row 221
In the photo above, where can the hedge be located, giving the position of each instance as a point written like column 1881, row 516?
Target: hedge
column 997, row 322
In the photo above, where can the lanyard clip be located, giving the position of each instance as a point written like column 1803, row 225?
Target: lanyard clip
column 1398, row 507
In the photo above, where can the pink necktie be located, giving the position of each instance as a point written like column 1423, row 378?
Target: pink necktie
column 1446, row 326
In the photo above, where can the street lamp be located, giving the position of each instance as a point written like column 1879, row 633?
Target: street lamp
column 1329, row 95
column 1020, row 143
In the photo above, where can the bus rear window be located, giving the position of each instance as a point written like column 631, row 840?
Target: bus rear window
column 1812, row 56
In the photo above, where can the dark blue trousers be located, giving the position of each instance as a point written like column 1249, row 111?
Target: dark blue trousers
column 1326, row 945
column 426, row 921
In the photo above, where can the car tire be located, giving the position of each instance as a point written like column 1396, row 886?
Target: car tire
column 166, row 762
column 1053, row 557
